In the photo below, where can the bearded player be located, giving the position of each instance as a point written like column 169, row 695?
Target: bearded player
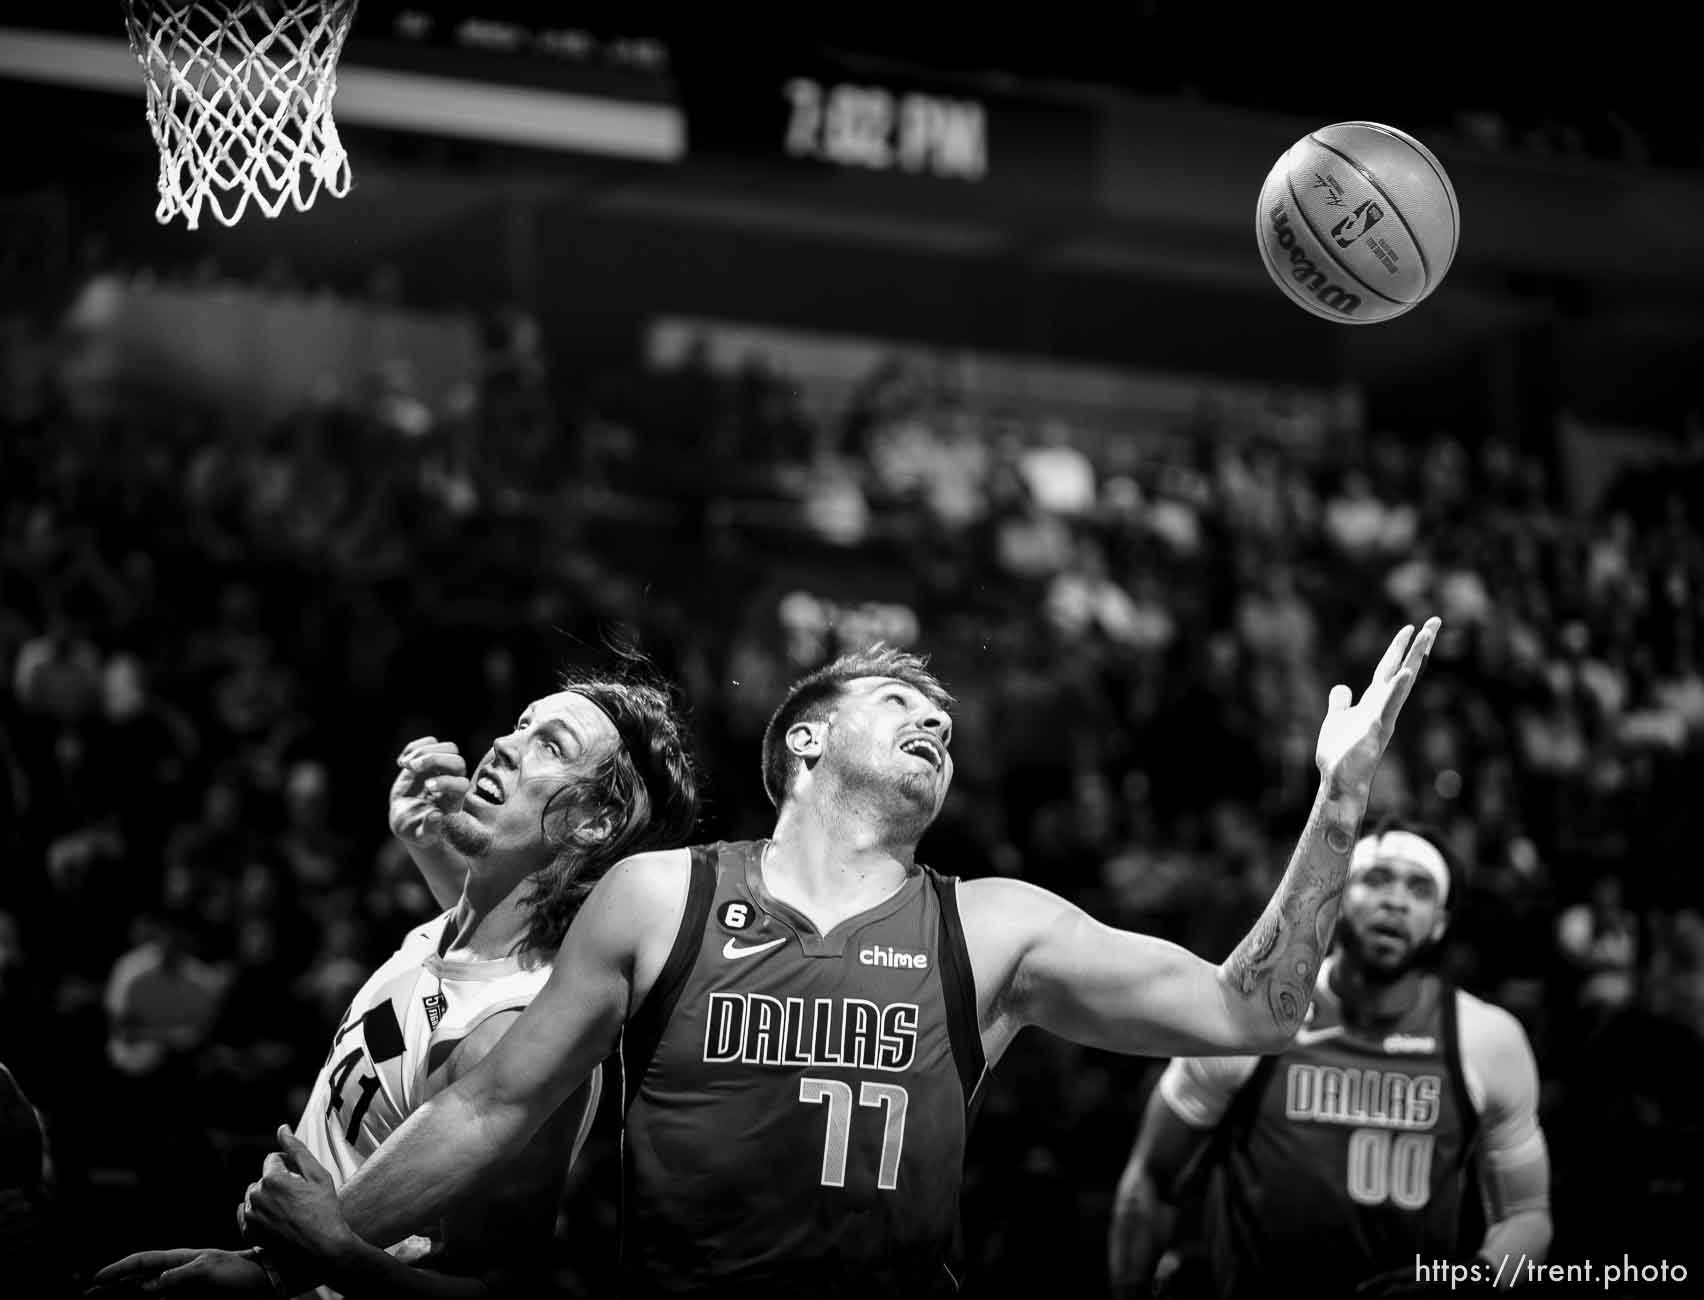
column 589, row 775
column 1337, row 1163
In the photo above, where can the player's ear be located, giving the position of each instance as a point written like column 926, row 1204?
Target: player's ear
column 1440, row 925
column 804, row 739
column 599, row 828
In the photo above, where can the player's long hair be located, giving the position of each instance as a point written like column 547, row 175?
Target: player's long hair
column 812, row 696
column 642, row 797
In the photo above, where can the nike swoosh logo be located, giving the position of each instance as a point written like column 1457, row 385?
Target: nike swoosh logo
column 1306, row 1036
column 733, row 952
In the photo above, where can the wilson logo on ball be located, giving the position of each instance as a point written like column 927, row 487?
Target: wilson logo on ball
column 1306, row 274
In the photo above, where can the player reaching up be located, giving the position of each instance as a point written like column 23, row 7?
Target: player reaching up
column 805, row 1020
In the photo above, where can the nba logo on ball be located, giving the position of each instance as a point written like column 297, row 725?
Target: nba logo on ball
column 1358, row 222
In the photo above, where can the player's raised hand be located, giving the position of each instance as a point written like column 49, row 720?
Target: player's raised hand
column 294, row 1205
column 1353, row 737
column 432, row 781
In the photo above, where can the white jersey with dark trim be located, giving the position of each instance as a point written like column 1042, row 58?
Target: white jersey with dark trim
column 390, row 1049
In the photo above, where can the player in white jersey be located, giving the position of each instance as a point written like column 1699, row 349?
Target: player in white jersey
column 593, row 773
column 399, row 1042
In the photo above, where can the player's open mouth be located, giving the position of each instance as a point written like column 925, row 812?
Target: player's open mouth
column 486, row 787
column 924, row 748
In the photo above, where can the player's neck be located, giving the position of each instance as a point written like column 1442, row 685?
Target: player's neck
column 489, row 918
column 825, row 851
column 1372, row 999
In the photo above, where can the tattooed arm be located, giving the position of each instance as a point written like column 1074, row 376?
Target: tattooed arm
column 1037, row 959
column 1271, row 974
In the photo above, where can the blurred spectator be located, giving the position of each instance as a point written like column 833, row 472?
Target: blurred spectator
column 1362, row 526
column 1600, row 940
column 1061, row 479
column 1030, row 541
column 58, row 674
column 315, row 855
column 160, row 999
column 1084, row 601
column 216, row 842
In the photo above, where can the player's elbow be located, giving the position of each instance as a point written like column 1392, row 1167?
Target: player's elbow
column 1267, row 1038
column 1525, row 1232
column 1252, row 1027
column 1259, row 1018
column 1533, row 1230
column 1542, row 1231
column 1139, row 1197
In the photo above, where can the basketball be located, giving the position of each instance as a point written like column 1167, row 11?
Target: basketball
column 1358, row 222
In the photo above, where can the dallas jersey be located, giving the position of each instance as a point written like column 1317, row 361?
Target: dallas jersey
column 797, row 1102
column 391, row 1047
column 1350, row 1152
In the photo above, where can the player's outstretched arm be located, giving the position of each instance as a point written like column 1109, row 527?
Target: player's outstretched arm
column 1272, row 971
column 1040, row 960
column 447, row 1148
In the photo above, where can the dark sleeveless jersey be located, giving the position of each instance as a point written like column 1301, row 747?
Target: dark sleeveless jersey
column 797, row 1103
column 1343, row 1156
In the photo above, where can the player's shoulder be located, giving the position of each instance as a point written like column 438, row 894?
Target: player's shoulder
column 1489, row 1034
column 1009, row 913
column 645, row 886
column 418, row 943
column 653, row 869
column 1004, row 898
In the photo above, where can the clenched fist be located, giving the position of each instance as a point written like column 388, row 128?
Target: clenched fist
column 432, row 782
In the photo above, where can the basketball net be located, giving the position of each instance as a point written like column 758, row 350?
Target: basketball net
column 239, row 101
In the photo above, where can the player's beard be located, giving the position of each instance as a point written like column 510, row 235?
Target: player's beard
column 912, row 806
column 907, row 798
column 1380, row 970
column 466, row 836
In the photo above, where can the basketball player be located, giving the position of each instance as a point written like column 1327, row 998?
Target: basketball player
column 805, row 1021
column 590, row 774
column 1334, row 1164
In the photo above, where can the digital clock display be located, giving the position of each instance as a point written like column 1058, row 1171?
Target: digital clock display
column 869, row 126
